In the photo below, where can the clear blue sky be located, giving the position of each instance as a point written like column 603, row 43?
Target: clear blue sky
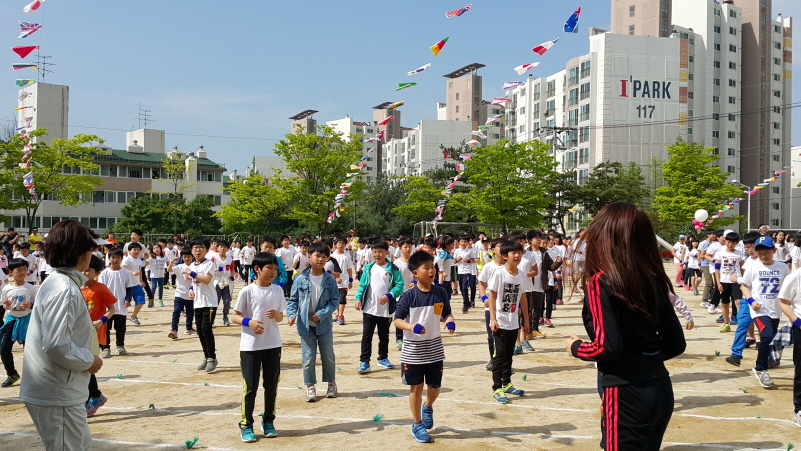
column 240, row 68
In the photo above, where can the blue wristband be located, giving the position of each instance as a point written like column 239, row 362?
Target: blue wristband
column 245, row 322
column 450, row 325
column 750, row 301
column 350, row 279
column 193, row 274
column 329, row 271
column 417, row 328
column 219, row 269
column 104, row 319
column 414, row 282
column 191, row 288
column 484, row 298
column 232, row 278
column 797, row 323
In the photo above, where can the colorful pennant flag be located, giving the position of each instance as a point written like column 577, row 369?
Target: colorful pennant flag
column 25, row 82
column 32, row 6
column 500, row 100
column 458, row 12
column 396, row 104
column 28, row 28
column 512, row 84
column 542, row 48
column 571, row 25
column 386, row 120
column 405, row 85
column 436, row 48
column 18, row 66
column 419, row 69
column 523, row 68
column 24, row 51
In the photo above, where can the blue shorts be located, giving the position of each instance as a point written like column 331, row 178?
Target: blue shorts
column 428, row 373
column 138, row 294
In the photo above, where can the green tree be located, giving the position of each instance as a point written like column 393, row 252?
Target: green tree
column 255, row 207
column 62, row 170
column 174, row 173
column 510, row 183
column 150, row 213
column 611, row 182
column 198, row 218
column 420, row 201
column 694, row 181
column 373, row 213
column 562, row 196
column 319, row 163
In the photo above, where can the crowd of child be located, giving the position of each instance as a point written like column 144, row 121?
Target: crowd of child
column 519, row 279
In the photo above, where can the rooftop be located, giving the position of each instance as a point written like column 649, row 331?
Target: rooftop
column 303, row 115
column 122, row 156
column 470, row 68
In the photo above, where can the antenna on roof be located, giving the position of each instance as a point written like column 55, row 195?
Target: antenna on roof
column 144, row 117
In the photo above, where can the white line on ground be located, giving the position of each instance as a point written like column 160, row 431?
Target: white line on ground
column 120, row 442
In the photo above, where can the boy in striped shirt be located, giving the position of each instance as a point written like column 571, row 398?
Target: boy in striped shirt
column 418, row 314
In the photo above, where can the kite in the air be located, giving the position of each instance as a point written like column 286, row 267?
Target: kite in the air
column 479, row 133
column 436, row 48
column 500, row 100
column 484, row 127
column 24, row 51
column 571, row 25
column 419, row 69
column 379, row 135
column 523, row 68
column 458, row 12
column 386, row 120
column 542, row 48
column 22, row 108
column 512, row 84
column 25, row 82
column 32, row 6
column 473, row 142
column 396, row 104
column 405, row 85
column 18, row 66
column 493, row 119
column 27, row 29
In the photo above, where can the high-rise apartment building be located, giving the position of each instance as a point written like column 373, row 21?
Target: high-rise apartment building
column 464, row 91
column 45, row 106
column 347, row 126
column 305, row 120
column 642, row 17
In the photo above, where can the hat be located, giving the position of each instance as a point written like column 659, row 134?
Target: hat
column 35, row 229
column 764, row 241
column 352, row 231
column 710, row 232
column 11, row 229
column 101, row 241
column 681, row 236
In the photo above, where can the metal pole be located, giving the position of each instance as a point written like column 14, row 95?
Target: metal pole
column 749, row 210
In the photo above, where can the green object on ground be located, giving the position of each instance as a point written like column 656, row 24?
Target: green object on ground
column 717, row 353
column 378, row 417
column 758, row 416
column 151, row 406
column 174, row 361
column 525, row 377
column 745, row 391
column 790, row 446
column 299, row 387
column 393, row 395
column 191, row 443
column 120, row 376
column 205, row 383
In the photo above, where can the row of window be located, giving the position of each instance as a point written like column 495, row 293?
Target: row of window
column 46, row 222
column 135, row 172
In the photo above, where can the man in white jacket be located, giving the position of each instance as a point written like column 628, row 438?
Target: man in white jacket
column 61, row 347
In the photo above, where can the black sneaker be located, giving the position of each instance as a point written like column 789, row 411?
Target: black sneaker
column 11, row 380
column 489, row 366
column 734, row 360
column 465, row 309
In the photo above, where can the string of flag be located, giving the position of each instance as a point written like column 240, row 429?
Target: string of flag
column 730, row 205
column 448, row 191
column 346, row 185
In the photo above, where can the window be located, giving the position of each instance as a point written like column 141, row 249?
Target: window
column 731, row 152
column 716, row 64
column 450, row 85
column 777, row 110
column 584, row 134
column 730, row 169
column 777, row 158
column 631, row 11
column 689, row 130
column 585, row 69
column 732, row 65
column 777, row 77
column 733, row 31
column 776, row 206
column 135, row 173
column 574, row 76
column 551, row 110
column 584, row 175
column 585, row 113
column 777, row 61
column 573, row 97
column 584, row 155
column 715, row 99
column 777, row 45
column 777, row 93
column 732, row 118
column 569, row 160
column 777, row 126
column 691, row 77
column 457, row 108
column 774, row 222
column 457, row 96
column 717, row 46
column 717, row 12
column 550, row 89
column 715, row 151
column 717, row 30
column 692, row 58
column 98, row 197
column 523, row 92
column 732, row 13
column 690, row 95
column 716, row 133
column 522, row 110
column 572, row 120
column 716, row 81
column 732, row 100
column 104, row 170
column 122, row 197
column 732, row 135
column 775, row 189
column 584, row 91
column 732, row 48
column 733, row 83
column 122, row 171
column 777, row 142
column 715, row 116
column 631, row 29
column 777, row 28
column 692, row 41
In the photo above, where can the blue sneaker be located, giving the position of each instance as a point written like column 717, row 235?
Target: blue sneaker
column 420, row 434
column 247, row 435
column 733, row 321
column 428, row 416
column 512, row 390
column 719, row 320
column 93, row 404
column 500, row 396
column 269, row 429
column 385, row 363
column 363, row 367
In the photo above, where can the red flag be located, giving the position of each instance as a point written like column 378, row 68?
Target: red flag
column 25, row 50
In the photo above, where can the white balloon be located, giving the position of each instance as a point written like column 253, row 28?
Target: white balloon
column 701, row 215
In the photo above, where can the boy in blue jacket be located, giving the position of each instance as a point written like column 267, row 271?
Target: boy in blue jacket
column 313, row 299
column 379, row 288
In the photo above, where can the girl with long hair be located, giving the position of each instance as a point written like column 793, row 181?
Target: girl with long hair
column 157, row 263
column 632, row 327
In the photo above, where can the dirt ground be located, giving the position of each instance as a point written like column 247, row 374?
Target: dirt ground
column 717, row 406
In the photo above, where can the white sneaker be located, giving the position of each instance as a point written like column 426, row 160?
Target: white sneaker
column 311, row 393
column 705, row 304
column 718, row 310
column 797, row 419
column 711, row 309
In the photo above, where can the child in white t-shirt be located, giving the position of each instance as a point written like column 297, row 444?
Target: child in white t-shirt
column 134, row 264
column 790, row 305
column 119, row 281
column 728, row 270
column 259, row 309
column 17, row 299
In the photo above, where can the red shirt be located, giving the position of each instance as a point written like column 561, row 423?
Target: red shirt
column 98, row 299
